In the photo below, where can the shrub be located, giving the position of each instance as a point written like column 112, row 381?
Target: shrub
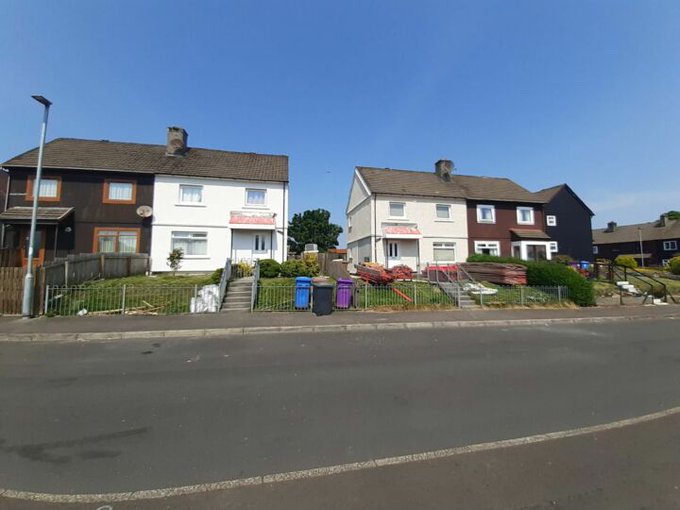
column 626, row 261
column 216, row 276
column 242, row 269
column 292, row 268
column 548, row 273
column 269, row 268
column 563, row 259
column 674, row 265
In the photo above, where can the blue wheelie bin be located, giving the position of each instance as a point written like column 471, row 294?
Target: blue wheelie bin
column 303, row 286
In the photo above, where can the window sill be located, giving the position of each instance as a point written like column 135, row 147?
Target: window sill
column 443, row 221
column 256, row 207
column 195, row 257
column 490, row 222
column 398, row 218
column 526, row 224
column 187, row 204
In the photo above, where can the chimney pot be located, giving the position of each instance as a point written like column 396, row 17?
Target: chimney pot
column 662, row 220
column 177, row 141
column 611, row 226
column 444, row 168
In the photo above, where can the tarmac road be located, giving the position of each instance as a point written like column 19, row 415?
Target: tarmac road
column 134, row 415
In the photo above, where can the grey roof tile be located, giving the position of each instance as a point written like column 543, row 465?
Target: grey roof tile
column 72, row 153
column 427, row 184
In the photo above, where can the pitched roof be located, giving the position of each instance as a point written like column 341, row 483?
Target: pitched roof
column 77, row 154
column 548, row 194
column 45, row 214
column 427, row 184
column 529, row 233
column 631, row 233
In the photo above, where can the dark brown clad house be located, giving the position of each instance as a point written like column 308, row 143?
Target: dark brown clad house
column 568, row 222
column 83, row 207
column 651, row 244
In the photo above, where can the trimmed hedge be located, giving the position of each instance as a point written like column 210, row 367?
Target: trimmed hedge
column 581, row 290
column 291, row 268
column 674, row 265
column 269, row 268
column 626, row 261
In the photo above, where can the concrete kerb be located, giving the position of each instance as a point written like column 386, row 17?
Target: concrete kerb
column 330, row 328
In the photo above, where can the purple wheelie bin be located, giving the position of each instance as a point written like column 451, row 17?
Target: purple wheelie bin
column 343, row 293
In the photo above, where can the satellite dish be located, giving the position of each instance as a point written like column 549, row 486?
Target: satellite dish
column 144, row 211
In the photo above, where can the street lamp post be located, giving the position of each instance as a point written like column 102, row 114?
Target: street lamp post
column 27, row 303
column 642, row 256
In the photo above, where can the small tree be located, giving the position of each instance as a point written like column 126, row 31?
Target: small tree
column 313, row 227
column 174, row 259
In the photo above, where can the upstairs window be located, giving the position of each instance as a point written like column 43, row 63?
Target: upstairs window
column 119, row 192
column 486, row 214
column 443, row 212
column 397, row 210
column 50, row 189
column 525, row 215
column 256, row 197
column 551, row 220
column 190, row 194
column 670, row 245
column 553, row 246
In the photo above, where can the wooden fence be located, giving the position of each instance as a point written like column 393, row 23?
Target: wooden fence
column 73, row 270
column 9, row 257
column 11, row 290
column 77, row 269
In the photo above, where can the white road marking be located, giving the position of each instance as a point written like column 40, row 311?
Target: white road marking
column 328, row 470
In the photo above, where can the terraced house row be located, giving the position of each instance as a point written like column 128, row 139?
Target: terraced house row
column 416, row 218
column 101, row 196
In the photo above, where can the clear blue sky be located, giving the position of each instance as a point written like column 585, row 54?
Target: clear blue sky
column 542, row 92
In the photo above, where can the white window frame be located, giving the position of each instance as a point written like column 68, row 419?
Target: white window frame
column 446, row 207
column 670, row 245
column 554, row 248
column 520, row 211
column 487, row 245
column 188, row 235
column 184, row 202
column 443, row 246
column 480, row 218
column 259, row 244
column 551, row 220
column 349, row 223
column 403, row 209
column 247, row 202
column 596, row 250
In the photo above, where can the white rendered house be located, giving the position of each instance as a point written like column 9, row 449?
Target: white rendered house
column 224, row 205
column 394, row 225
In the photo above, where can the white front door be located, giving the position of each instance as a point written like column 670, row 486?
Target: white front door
column 393, row 253
column 250, row 245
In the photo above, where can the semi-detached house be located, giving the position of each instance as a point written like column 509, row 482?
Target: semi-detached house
column 416, row 218
column 98, row 196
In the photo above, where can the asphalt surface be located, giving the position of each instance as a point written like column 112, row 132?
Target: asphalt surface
column 125, row 416
column 635, row 467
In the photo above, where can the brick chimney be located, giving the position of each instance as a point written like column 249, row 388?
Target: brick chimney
column 444, row 168
column 611, row 226
column 662, row 220
column 177, row 141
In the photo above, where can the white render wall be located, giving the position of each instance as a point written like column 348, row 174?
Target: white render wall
column 422, row 212
column 220, row 198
